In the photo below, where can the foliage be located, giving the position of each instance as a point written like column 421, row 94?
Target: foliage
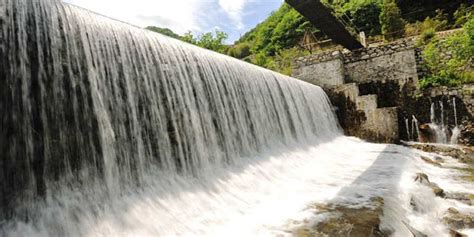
column 463, row 14
column 164, row 31
column 450, row 59
column 240, row 51
column 437, row 23
column 426, row 36
column 393, row 25
column 284, row 58
column 366, row 17
column 281, row 30
column 212, row 41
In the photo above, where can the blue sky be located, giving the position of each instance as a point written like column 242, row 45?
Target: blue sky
column 235, row 17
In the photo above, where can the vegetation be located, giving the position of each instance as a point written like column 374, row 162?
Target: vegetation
column 393, row 25
column 277, row 41
column 450, row 59
column 213, row 41
column 164, row 31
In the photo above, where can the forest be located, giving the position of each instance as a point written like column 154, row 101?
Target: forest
column 278, row 40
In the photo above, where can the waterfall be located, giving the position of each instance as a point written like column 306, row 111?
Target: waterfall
column 409, row 135
column 111, row 130
column 443, row 133
column 456, row 132
column 95, row 102
column 415, row 127
column 432, row 113
column 455, row 112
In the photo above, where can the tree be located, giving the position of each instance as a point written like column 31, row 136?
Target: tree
column 212, row 41
column 164, row 31
column 393, row 25
column 240, row 51
column 366, row 18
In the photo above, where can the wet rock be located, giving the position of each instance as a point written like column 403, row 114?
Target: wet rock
column 430, row 161
column 465, row 198
column 439, row 192
column 424, row 179
column 426, row 134
column 454, row 233
column 464, row 154
column 457, row 220
column 347, row 221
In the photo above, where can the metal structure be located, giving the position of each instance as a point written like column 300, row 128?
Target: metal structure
column 323, row 18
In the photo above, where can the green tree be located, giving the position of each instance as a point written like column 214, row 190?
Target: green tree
column 164, row 31
column 212, row 41
column 240, row 51
column 366, row 18
column 189, row 37
column 393, row 25
column 450, row 59
column 463, row 14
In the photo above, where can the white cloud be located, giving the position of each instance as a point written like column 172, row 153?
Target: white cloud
column 234, row 9
column 178, row 15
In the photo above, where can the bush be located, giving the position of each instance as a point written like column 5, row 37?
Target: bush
column 438, row 23
column 393, row 25
column 240, row 51
column 463, row 15
column 366, row 18
column 450, row 60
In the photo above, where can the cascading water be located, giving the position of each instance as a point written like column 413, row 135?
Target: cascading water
column 456, row 132
column 442, row 131
column 110, row 130
column 415, row 127
column 112, row 102
column 407, row 126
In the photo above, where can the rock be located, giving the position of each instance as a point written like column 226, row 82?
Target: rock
column 453, row 210
column 457, row 220
column 465, row 198
column 422, row 177
column 439, row 192
column 454, row 233
column 430, row 161
column 464, row 154
column 426, row 134
column 347, row 221
column 439, row 159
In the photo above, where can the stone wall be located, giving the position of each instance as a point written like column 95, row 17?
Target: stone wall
column 394, row 66
column 325, row 70
column 394, row 61
column 464, row 93
column 360, row 116
column 375, row 90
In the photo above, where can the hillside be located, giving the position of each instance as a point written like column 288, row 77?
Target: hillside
column 285, row 34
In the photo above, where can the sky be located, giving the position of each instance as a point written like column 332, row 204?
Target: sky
column 235, row 17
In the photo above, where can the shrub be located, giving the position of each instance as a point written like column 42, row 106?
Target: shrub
column 393, row 25
column 450, row 60
column 240, row 51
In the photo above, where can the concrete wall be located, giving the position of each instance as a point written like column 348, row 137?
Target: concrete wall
column 394, row 61
column 394, row 66
column 341, row 73
column 325, row 74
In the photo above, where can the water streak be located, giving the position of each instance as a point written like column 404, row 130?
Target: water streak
column 96, row 100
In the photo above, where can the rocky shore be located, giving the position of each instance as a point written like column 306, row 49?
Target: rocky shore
column 366, row 221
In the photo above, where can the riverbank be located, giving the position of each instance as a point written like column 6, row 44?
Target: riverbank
column 434, row 197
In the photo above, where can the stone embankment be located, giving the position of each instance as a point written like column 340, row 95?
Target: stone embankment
column 366, row 221
column 375, row 92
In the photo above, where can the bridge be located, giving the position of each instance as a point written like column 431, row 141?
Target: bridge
column 322, row 18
